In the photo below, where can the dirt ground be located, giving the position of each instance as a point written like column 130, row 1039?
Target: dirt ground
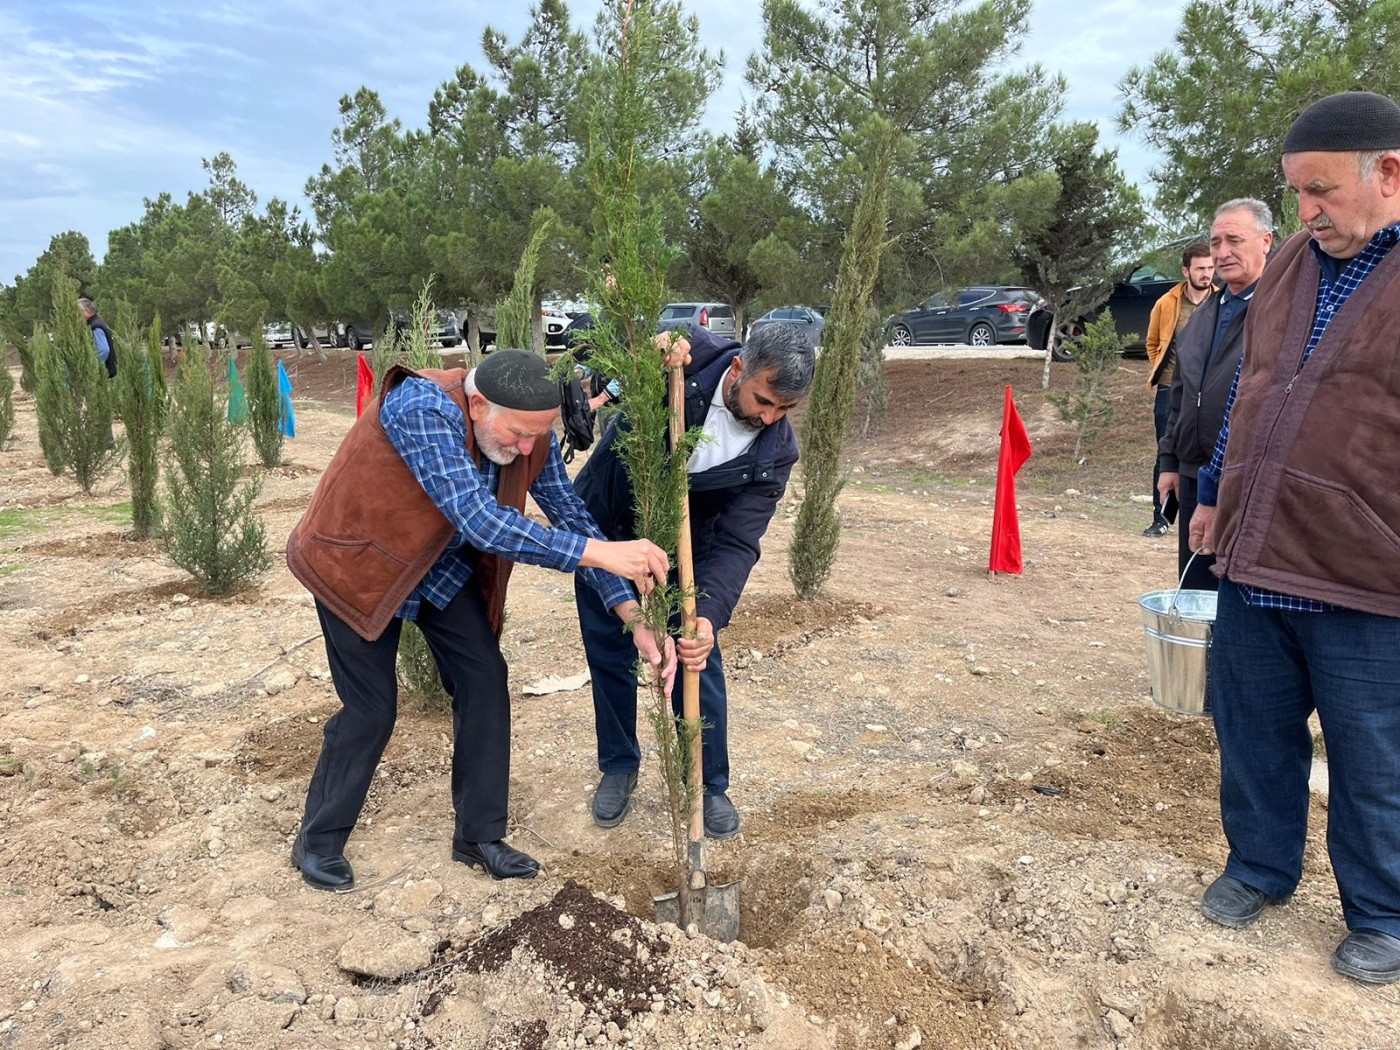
column 966, row 825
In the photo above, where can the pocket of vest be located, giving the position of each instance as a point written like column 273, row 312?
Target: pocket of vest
column 1335, row 535
column 359, row 572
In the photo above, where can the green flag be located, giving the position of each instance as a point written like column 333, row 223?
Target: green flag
column 237, row 396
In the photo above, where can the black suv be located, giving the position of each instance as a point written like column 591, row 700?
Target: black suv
column 983, row 315
column 1131, row 302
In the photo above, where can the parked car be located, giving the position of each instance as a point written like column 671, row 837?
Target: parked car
column 1131, row 302
column 357, row 335
column 278, row 335
column 804, row 317
column 716, row 317
column 983, row 315
column 554, row 324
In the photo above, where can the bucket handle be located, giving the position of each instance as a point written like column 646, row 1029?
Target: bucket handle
column 1172, row 609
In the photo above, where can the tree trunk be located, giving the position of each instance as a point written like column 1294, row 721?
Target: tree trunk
column 1050, row 334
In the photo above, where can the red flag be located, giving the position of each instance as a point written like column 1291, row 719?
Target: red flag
column 1006, row 529
column 364, row 384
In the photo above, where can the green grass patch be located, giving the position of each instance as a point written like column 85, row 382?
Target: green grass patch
column 115, row 513
column 15, row 523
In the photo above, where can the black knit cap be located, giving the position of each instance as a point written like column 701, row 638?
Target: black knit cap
column 518, row 380
column 1352, row 122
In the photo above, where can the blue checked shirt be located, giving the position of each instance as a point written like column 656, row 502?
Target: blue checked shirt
column 1338, row 280
column 429, row 431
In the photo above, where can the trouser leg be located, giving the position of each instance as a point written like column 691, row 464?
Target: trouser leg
column 1354, row 663
column 1161, row 411
column 468, row 656
column 1261, row 699
column 714, row 716
column 612, row 661
column 354, row 737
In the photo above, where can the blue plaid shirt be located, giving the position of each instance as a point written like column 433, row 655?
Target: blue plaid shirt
column 429, row 431
column 1338, row 280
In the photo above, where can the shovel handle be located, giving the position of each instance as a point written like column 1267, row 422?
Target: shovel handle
column 685, row 572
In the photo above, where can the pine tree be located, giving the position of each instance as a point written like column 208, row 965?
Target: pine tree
column 75, row 398
column 212, row 530
column 264, row 402
column 141, row 397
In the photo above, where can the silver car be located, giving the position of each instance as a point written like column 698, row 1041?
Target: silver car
column 715, row 317
column 803, row 317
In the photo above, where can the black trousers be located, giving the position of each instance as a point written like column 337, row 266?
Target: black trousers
column 1199, row 578
column 1161, row 409
column 468, row 657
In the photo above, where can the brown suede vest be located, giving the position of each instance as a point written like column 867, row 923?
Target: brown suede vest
column 371, row 533
column 1309, row 504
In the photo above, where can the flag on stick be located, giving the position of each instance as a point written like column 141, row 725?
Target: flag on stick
column 286, row 418
column 237, row 396
column 1006, row 528
column 364, row 385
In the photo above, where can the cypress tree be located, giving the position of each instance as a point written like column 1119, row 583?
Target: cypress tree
column 141, row 398
column 627, row 128
column 264, row 402
column 515, row 315
column 818, row 529
column 74, row 399
column 7, row 404
column 212, row 531
column 417, row 351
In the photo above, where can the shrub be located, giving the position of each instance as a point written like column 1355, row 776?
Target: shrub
column 264, row 402
column 212, row 531
column 1088, row 405
column 74, row 398
column 142, row 399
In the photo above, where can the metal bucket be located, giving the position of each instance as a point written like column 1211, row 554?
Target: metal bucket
column 1178, row 627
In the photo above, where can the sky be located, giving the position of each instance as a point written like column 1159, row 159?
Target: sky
column 104, row 103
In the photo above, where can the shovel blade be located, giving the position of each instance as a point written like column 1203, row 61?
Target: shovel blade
column 713, row 909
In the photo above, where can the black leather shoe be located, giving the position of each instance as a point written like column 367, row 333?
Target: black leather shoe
column 322, row 871
column 721, row 818
column 1370, row 956
column 1157, row 528
column 612, row 798
column 1231, row 903
column 499, row 860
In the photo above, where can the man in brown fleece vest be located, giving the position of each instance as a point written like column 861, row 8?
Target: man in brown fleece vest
column 1306, row 521
column 419, row 517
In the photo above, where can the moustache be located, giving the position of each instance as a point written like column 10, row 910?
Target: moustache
column 1320, row 224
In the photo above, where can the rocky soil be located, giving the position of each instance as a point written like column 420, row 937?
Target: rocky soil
column 966, row 826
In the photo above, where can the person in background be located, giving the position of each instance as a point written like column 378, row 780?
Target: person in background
column 1169, row 317
column 102, row 337
column 1208, row 353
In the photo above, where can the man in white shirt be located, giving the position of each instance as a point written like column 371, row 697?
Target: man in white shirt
column 741, row 396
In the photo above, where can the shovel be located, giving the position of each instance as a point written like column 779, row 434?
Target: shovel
column 714, row 910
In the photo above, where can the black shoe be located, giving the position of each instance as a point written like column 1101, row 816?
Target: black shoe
column 322, row 871
column 1231, row 903
column 1368, row 955
column 612, row 798
column 1157, row 528
column 499, row 860
column 721, row 818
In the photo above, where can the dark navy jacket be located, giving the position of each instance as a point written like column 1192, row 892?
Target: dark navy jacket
column 731, row 504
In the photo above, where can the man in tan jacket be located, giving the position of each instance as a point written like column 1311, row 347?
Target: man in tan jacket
column 1169, row 317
